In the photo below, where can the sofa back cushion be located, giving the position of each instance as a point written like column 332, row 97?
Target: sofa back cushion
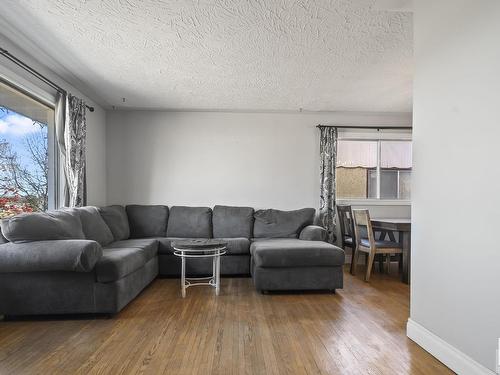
column 190, row 222
column 41, row 226
column 232, row 222
column 147, row 221
column 281, row 224
column 94, row 227
column 117, row 221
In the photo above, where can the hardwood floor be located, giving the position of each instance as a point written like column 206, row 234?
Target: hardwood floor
column 359, row 330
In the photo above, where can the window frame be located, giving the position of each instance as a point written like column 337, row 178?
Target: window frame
column 47, row 99
column 379, row 137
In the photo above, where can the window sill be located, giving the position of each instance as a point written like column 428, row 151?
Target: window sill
column 374, row 202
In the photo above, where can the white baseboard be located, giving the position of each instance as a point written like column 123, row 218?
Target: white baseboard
column 446, row 353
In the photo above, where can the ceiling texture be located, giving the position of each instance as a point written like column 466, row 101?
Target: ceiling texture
column 271, row 55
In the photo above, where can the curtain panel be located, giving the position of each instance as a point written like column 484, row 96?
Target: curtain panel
column 328, row 157
column 71, row 132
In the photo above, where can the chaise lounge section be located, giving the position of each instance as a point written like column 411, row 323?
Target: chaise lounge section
column 97, row 260
column 289, row 253
column 294, row 264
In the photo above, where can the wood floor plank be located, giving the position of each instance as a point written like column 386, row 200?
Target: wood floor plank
column 361, row 329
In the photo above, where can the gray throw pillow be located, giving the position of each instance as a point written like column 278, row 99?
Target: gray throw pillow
column 281, row 224
column 94, row 227
column 41, row 226
column 116, row 218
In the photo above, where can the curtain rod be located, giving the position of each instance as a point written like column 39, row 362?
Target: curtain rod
column 35, row 73
column 378, row 128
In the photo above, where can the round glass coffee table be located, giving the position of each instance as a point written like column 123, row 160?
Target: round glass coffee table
column 202, row 248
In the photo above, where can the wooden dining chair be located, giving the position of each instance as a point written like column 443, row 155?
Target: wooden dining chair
column 370, row 246
column 347, row 230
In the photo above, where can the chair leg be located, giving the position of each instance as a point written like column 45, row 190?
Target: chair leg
column 388, row 260
column 353, row 257
column 369, row 265
column 354, row 262
column 400, row 266
column 380, row 259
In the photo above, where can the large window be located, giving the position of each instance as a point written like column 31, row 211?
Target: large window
column 374, row 169
column 27, row 162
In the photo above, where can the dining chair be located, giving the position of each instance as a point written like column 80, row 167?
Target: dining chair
column 347, row 230
column 370, row 246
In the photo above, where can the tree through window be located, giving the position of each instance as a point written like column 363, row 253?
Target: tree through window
column 25, row 168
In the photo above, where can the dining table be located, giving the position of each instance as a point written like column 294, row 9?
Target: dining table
column 402, row 227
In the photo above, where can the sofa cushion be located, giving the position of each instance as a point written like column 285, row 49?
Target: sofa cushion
column 116, row 219
column 149, row 246
column 117, row 263
column 93, row 225
column 42, row 226
column 281, row 224
column 190, row 222
column 165, row 244
column 147, row 221
column 235, row 246
column 295, row 253
column 229, row 221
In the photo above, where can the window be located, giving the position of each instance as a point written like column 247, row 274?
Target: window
column 27, row 154
column 373, row 169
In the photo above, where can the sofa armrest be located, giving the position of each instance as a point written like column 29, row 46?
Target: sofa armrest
column 313, row 233
column 57, row 255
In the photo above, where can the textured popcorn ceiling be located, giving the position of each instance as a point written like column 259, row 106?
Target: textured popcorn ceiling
column 238, row 55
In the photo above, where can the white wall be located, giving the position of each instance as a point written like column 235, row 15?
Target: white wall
column 96, row 121
column 207, row 158
column 455, row 283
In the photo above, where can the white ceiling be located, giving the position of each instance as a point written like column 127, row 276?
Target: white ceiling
column 340, row 55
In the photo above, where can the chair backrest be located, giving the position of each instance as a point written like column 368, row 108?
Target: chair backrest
column 346, row 223
column 362, row 220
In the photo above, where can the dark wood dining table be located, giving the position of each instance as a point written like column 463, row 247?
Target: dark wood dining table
column 403, row 228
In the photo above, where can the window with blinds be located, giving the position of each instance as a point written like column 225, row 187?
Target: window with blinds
column 374, row 169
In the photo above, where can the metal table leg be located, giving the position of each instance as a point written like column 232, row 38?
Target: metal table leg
column 217, row 280
column 213, row 281
column 214, row 271
column 183, row 277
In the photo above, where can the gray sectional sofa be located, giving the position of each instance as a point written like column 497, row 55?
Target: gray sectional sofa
column 96, row 260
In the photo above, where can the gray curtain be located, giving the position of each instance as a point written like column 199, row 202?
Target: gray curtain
column 328, row 157
column 71, row 132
